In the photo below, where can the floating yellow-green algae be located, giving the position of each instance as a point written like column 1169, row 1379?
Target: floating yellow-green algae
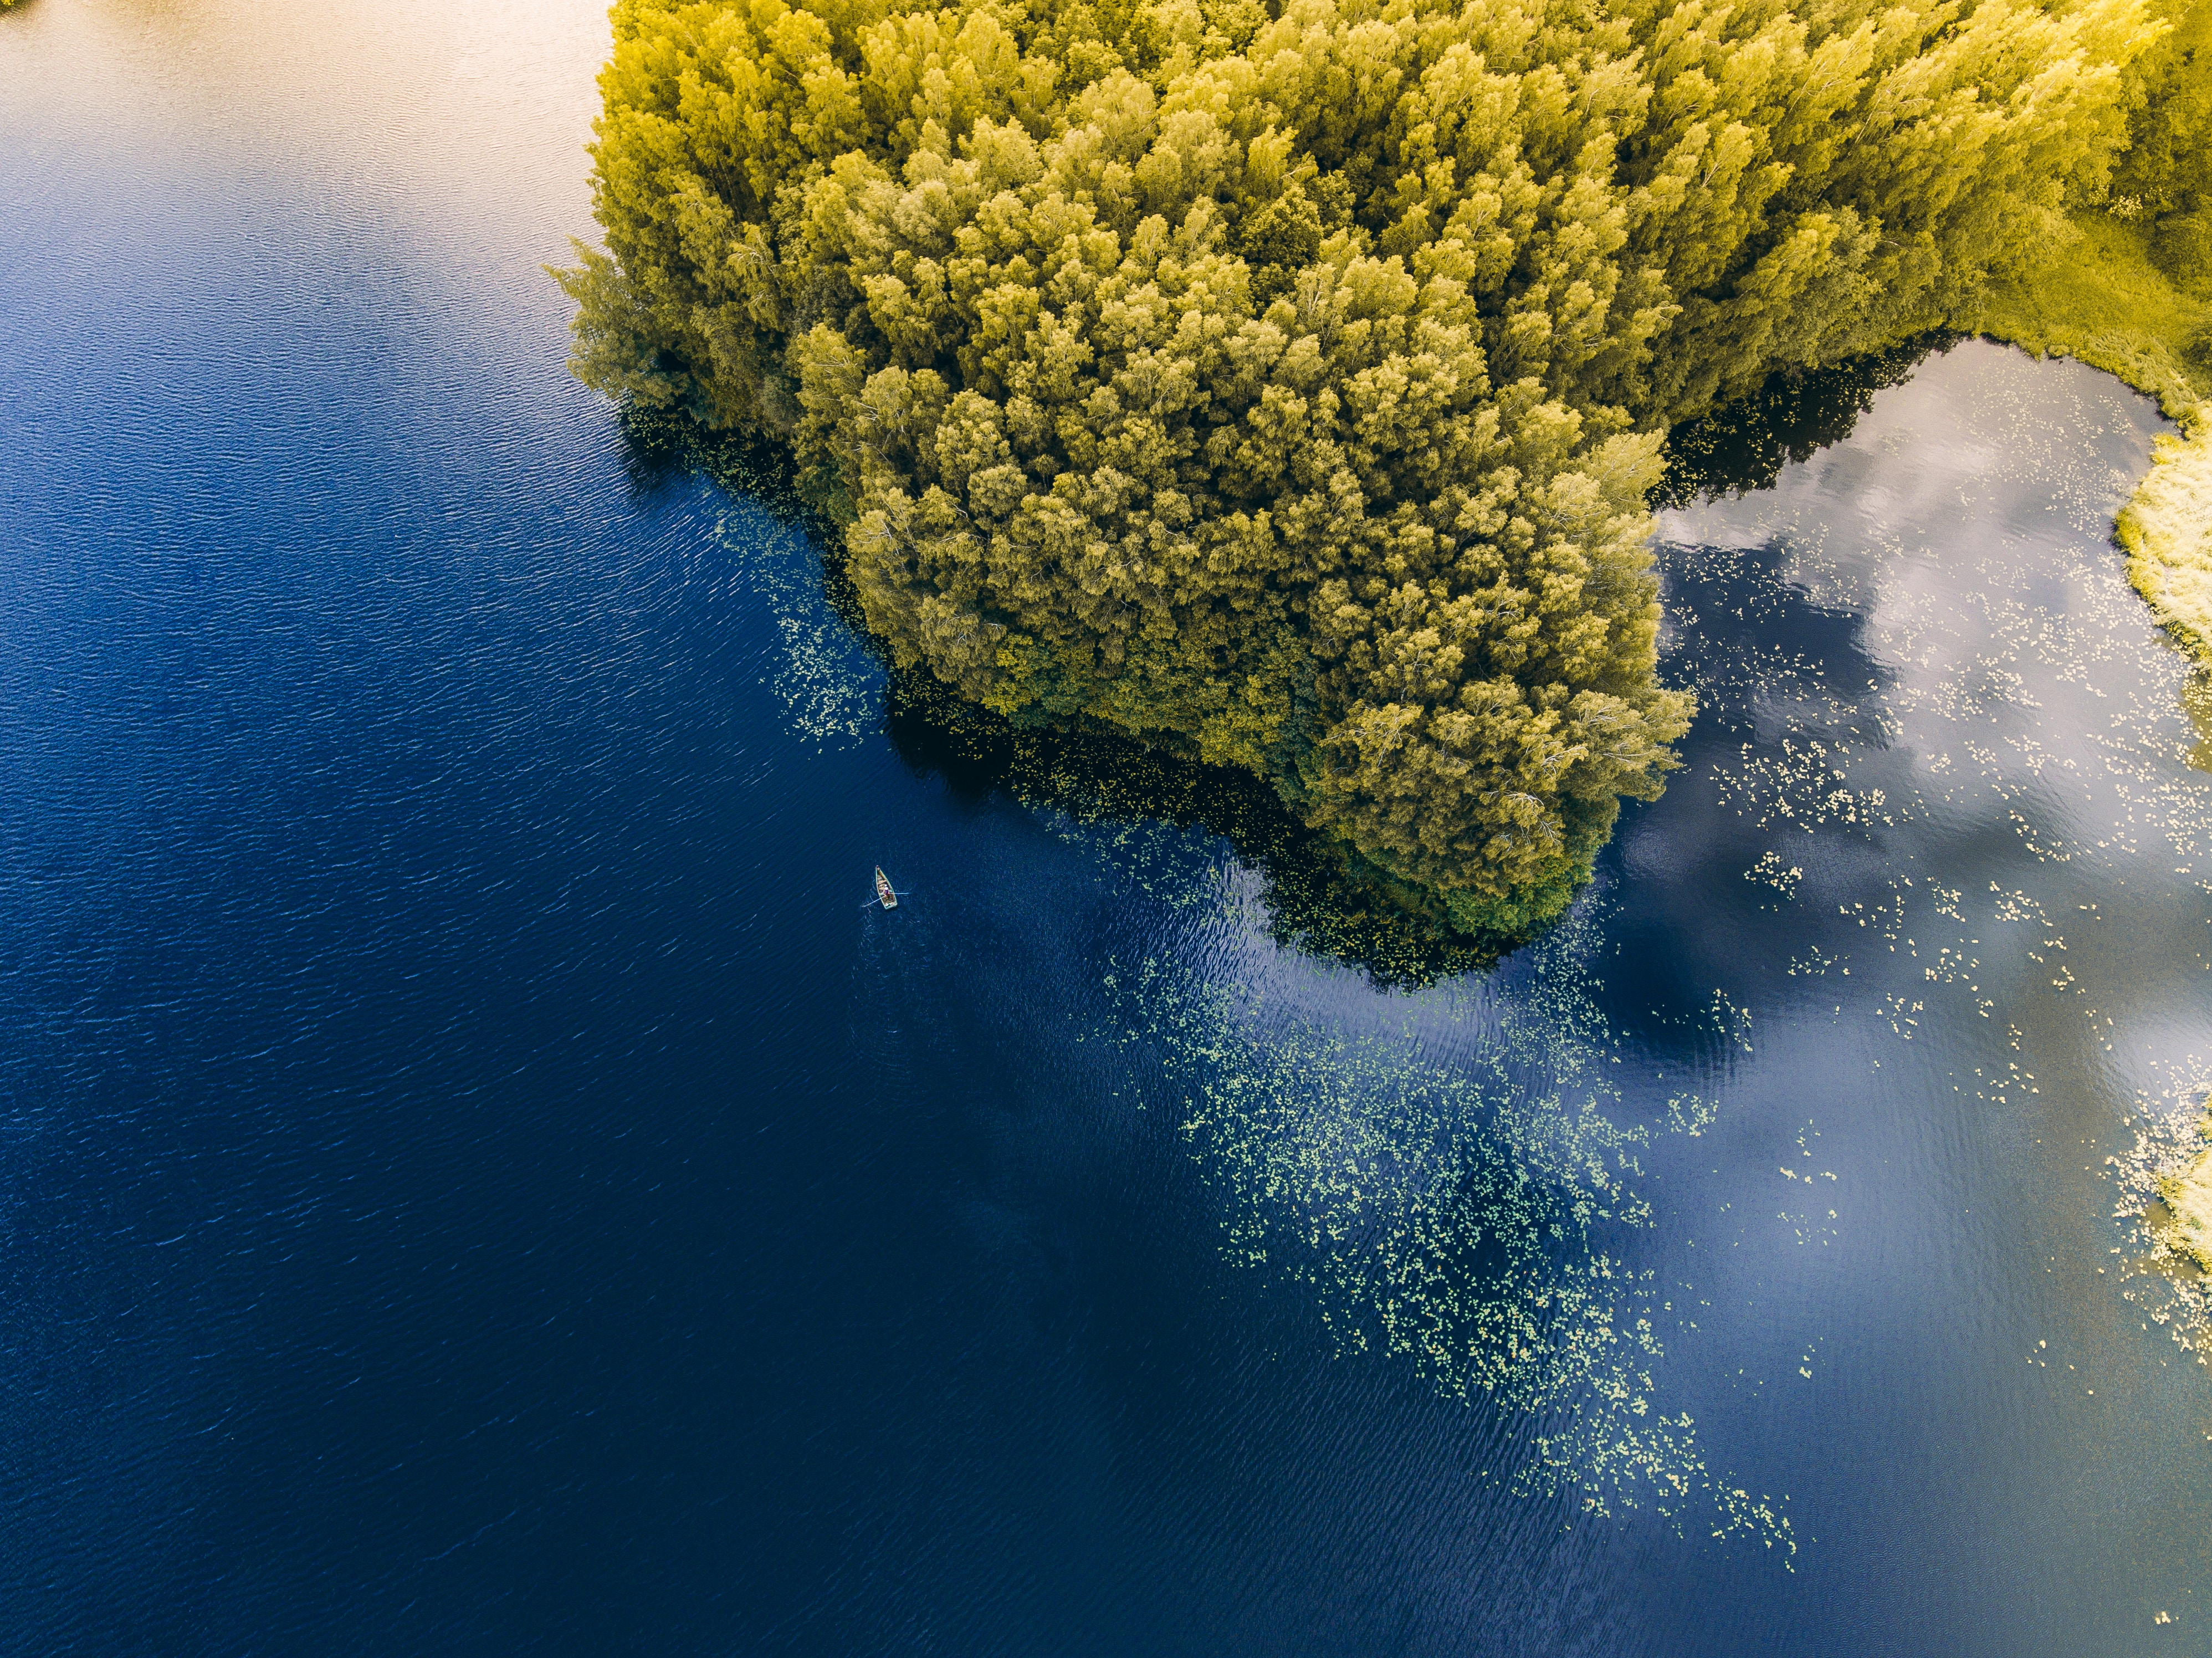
column 829, row 677
column 1452, row 1216
column 830, row 683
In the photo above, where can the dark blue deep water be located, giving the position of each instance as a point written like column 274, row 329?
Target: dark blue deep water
column 475, row 1179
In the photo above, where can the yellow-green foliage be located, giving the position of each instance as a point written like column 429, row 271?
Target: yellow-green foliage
column 2165, row 179
column 2186, row 1192
column 2166, row 529
column 1283, row 381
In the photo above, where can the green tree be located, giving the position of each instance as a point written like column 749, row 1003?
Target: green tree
column 2167, row 174
column 1283, row 384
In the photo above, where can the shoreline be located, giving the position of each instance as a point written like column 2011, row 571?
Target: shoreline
column 2114, row 309
column 2186, row 1196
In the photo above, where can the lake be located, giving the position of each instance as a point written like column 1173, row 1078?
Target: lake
column 480, row 1176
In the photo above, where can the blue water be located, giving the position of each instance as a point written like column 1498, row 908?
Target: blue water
column 475, row 1177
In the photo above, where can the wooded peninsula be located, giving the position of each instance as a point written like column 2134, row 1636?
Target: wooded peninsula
column 1283, row 384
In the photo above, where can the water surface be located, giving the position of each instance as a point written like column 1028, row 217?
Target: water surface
column 478, row 1179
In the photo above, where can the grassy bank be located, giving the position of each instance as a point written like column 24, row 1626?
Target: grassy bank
column 2103, row 300
column 2186, row 1194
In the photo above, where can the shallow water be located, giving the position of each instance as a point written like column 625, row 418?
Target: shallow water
column 477, row 1179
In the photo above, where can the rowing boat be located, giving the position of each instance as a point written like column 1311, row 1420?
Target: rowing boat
column 884, row 892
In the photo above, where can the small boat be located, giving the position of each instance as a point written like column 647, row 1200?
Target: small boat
column 884, row 893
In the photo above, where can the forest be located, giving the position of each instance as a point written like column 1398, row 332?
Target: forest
column 1284, row 385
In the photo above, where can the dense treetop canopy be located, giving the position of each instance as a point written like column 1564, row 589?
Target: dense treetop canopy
column 1283, row 382
column 2165, row 174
